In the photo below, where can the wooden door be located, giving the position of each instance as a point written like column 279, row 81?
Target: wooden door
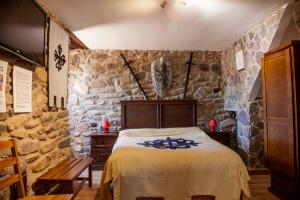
column 278, row 104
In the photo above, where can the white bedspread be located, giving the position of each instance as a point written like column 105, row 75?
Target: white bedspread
column 209, row 168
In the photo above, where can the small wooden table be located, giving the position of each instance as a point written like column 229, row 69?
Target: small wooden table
column 101, row 147
column 222, row 136
column 64, row 178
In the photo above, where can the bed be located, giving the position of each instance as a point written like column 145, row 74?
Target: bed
column 161, row 153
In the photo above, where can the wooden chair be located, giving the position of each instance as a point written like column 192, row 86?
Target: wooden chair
column 17, row 177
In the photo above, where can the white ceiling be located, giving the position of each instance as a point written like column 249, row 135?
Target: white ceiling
column 143, row 24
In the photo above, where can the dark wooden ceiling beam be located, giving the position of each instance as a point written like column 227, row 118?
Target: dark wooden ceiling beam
column 75, row 42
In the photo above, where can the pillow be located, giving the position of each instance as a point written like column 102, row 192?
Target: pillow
column 154, row 132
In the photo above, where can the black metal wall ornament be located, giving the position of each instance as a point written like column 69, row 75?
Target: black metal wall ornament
column 59, row 58
column 127, row 64
column 190, row 64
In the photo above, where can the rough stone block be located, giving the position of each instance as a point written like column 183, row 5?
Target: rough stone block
column 243, row 117
column 57, row 126
column 227, row 123
column 16, row 121
column 204, row 67
column 54, row 134
column 255, row 131
column 19, row 134
column 46, row 147
column 56, row 154
column 98, row 84
column 3, row 116
column 3, row 127
column 260, row 125
column 41, row 131
column 48, row 128
column 31, row 123
column 63, row 114
column 31, row 157
column 42, row 137
column 65, row 132
column 28, row 146
column 47, row 118
column 41, row 165
column 41, row 74
column 217, row 68
column 64, row 143
column 37, row 112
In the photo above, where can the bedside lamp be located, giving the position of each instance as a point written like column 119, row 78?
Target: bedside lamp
column 212, row 125
column 105, row 126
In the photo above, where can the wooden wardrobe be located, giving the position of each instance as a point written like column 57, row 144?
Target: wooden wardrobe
column 281, row 90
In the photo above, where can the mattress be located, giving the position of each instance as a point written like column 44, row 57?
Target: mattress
column 174, row 163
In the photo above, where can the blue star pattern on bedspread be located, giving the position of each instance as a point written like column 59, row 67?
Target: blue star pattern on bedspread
column 170, row 143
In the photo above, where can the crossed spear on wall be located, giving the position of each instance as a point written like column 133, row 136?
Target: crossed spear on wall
column 189, row 63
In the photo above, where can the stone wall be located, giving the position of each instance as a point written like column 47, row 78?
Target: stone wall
column 238, row 86
column 42, row 136
column 98, row 81
column 256, row 139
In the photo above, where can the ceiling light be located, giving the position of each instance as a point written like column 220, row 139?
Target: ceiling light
column 182, row 2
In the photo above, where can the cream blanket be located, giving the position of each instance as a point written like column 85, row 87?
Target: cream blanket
column 207, row 169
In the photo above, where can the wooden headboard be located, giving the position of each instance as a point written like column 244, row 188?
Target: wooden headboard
column 159, row 114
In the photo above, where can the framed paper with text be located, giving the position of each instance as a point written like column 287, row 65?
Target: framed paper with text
column 22, row 90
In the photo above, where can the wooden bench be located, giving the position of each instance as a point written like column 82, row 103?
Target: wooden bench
column 64, row 178
column 17, row 178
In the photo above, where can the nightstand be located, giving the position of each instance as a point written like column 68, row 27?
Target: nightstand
column 101, row 147
column 222, row 136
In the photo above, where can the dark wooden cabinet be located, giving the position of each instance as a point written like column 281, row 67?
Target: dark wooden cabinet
column 101, row 147
column 281, row 85
column 220, row 136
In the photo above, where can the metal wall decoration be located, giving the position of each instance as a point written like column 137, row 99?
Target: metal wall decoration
column 127, row 64
column 58, row 66
column 59, row 58
column 190, row 64
column 161, row 74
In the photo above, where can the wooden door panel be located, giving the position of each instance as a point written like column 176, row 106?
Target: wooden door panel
column 279, row 113
column 280, row 152
column 278, row 84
